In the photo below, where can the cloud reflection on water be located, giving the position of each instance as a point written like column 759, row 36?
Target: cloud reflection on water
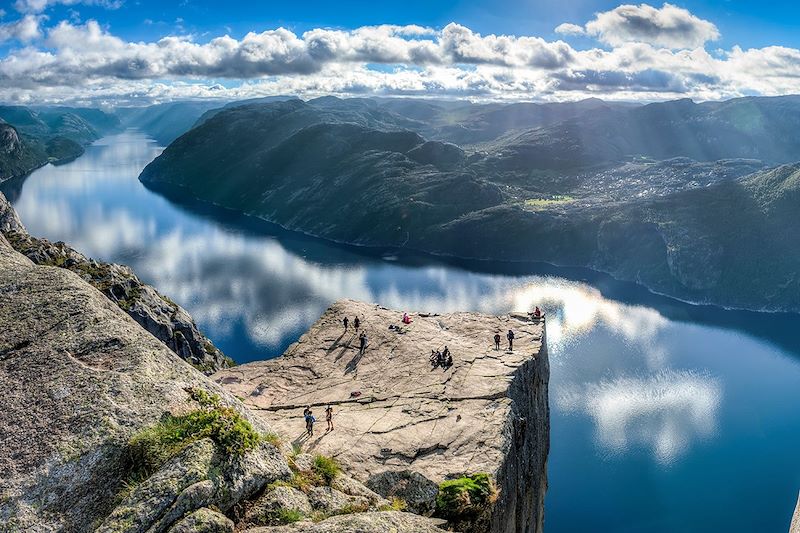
column 665, row 411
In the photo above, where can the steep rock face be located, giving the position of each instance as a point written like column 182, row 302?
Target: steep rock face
column 794, row 527
column 163, row 318
column 80, row 377
column 488, row 412
column 9, row 140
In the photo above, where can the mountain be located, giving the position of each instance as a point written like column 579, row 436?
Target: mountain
column 676, row 196
column 165, row 122
column 32, row 137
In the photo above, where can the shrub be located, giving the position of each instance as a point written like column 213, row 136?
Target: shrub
column 273, row 438
column 152, row 447
column 326, row 468
column 395, row 504
column 289, row 516
column 465, row 497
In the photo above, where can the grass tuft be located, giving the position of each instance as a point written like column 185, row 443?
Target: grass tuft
column 326, row 468
column 465, row 497
column 153, row 446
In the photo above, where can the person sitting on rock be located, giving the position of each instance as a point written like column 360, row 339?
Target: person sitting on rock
column 510, row 337
column 497, row 341
column 434, row 358
column 329, row 416
column 356, row 323
column 537, row 313
column 406, row 319
column 446, row 357
column 439, row 359
column 346, row 321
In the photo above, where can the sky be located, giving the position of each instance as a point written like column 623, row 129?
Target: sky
column 120, row 52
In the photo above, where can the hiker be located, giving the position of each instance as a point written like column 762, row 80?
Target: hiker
column 356, row 323
column 329, row 416
column 362, row 342
column 510, row 337
column 497, row 341
column 346, row 321
column 306, row 411
column 310, row 422
column 449, row 361
column 434, row 358
column 439, row 359
column 537, row 313
column 406, row 319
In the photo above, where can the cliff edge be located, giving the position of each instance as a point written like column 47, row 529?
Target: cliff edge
column 404, row 426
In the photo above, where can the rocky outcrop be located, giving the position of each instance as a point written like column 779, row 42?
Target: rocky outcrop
column 203, row 521
column 104, row 429
column 418, row 492
column 794, row 527
column 159, row 315
column 80, row 378
column 377, row 522
column 396, row 412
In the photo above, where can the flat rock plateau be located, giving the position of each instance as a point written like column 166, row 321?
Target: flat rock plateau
column 395, row 412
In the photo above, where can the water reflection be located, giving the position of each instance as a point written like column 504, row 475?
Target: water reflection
column 665, row 411
column 639, row 383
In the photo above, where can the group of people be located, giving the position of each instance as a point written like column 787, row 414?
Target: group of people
column 356, row 323
column 509, row 336
column 442, row 358
column 362, row 337
column 308, row 415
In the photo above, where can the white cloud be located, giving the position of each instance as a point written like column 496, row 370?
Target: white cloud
column 570, row 29
column 669, row 26
column 654, row 54
column 25, row 29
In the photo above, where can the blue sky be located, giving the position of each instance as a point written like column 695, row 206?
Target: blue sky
column 148, row 50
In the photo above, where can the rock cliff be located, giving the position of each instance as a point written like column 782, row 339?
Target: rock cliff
column 794, row 527
column 105, row 429
column 163, row 318
column 404, row 426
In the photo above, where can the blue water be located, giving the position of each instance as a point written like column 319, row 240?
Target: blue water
column 666, row 417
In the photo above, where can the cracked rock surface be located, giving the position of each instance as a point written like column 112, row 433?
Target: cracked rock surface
column 394, row 411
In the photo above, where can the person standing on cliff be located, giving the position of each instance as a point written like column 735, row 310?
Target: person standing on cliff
column 310, row 423
column 329, row 416
column 356, row 323
column 497, row 341
column 510, row 337
column 346, row 321
column 363, row 342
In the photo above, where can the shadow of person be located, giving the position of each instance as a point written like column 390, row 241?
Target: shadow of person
column 352, row 365
column 300, row 439
column 345, row 346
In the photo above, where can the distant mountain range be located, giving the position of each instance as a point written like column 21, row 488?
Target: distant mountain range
column 33, row 136
column 692, row 200
column 677, row 196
